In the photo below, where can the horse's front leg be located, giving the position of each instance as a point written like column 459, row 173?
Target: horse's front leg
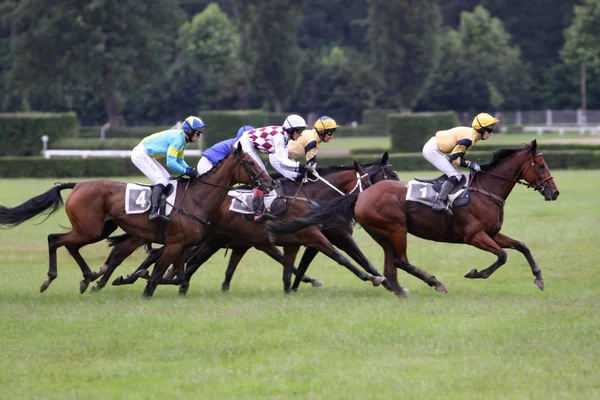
column 482, row 241
column 289, row 257
column 508, row 243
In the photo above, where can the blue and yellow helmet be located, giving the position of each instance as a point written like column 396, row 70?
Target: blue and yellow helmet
column 193, row 125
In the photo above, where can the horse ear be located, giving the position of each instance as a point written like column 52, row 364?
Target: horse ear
column 239, row 148
column 358, row 168
column 355, row 165
column 384, row 159
column 533, row 145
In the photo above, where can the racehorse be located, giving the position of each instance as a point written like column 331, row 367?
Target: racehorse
column 235, row 235
column 232, row 229
column 96, row 208
column 385, row 214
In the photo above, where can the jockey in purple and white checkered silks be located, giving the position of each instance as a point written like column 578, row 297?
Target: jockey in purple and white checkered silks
column 273, row 140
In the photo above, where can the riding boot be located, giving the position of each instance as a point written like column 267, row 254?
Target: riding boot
column 258, row 202
column 440, row 203
column 156, row 198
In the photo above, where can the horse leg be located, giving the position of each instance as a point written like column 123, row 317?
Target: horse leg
column 482, row 241
column 234, row 260
column 389, row 269
column 343, row 240
column 404, row 265
column 307, row 258
column 170, row 254
column 117, row 255
column 73, row 241
column 205, row 251
column 141, row 271
column 508, row 243
column 178, row 266
column 289, row 256
column 312, row 237
column 276, row 255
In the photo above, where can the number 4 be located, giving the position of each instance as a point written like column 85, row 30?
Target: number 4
column 141, row 200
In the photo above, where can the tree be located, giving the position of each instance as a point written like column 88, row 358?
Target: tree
column 480, row 69
column 582, row 42
column 72, row 41
column 269, row 47
column 405, row 47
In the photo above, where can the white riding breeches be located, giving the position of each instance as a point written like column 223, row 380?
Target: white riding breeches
column 149, row 166
column 204, row 165
column 433, row 154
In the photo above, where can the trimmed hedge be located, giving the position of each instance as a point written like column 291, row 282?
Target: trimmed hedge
column 491, row 147
column 21, row 133
column 137, row 132
column 410, row 132
column 38, row 167
column 96, row 144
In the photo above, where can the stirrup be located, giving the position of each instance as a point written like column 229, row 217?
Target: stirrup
column 158, row 216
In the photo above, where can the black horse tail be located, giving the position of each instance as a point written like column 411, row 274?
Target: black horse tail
column 334, row 212
column 47, row 203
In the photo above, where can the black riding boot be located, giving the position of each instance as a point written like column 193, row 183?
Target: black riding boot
column 156, row 198
column 440, row 203
column 258, row 202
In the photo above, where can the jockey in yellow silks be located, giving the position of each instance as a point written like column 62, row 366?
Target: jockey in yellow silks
column 307, row 144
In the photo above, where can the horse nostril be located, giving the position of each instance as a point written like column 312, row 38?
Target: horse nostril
column 555, row 196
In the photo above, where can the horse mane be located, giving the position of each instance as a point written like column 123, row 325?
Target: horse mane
column 501, row 154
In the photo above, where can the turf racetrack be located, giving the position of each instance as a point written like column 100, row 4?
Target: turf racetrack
column 485, row 339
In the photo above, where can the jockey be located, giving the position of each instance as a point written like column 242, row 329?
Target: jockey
column 273, row 140
column 219, row 151
column 307, row 144
column 169, row 144
column 455, row 142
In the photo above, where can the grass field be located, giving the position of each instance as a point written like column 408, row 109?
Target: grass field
column 496, row 339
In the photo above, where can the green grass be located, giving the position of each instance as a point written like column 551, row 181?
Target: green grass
column 495, row 339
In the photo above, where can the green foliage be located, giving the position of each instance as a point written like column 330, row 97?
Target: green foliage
column 21, row 133
column 582, row 38
column 409, row 132
column 94, row 144
column 405, row 47
column 269, row 48
column 489, row 69
column 376, row 119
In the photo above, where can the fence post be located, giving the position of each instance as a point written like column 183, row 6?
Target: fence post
column 548, row 117
column 519, row 118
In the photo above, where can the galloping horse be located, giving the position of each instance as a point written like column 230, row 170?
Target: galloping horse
column 385, row 214
column 96, row 208
column 342, row 178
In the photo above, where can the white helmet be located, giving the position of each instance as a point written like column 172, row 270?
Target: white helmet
column 294, row 122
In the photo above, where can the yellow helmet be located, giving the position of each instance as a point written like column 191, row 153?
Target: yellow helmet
column 483, row 120
column 325, row 124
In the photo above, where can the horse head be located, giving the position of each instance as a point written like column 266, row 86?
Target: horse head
column 258, row 176
column 362, row 178
column 537, row 175
column 381, row 170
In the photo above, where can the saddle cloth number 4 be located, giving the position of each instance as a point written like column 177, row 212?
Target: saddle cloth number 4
column 137, row 200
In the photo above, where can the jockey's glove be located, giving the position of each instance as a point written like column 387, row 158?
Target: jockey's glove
column 475, row 167
column 191, row 172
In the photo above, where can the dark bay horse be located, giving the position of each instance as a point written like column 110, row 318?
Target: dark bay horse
column 232, row 229
column 385, row 214
column 96, row 208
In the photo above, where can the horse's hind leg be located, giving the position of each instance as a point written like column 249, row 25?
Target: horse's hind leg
column 150, row 259
column 117, row 255
column 309, row 255
column 482, row 241
column 289, row 256
column 389, row 270
column 234, row 260
column 343, row 240
column 54, row 242
column 508, row 243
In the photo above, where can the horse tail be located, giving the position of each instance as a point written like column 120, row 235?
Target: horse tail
column 337, row 211
column 47, row 203
column 118, row 239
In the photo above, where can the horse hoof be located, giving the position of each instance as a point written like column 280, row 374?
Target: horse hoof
column 403, row 293
column 378, row 280
column 472, row 274
column 441, row 288
column 539, row 283
column 224, row 288
column 118, row 281
column 83, row 285
column 317, row 283
column 143, row 274
column 44, row 286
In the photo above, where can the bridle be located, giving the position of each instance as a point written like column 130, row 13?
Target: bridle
column 538, row 186
column 358, row 184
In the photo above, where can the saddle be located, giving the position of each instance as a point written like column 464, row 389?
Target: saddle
column 241, row 203
column 137, row 197
column 424, row 190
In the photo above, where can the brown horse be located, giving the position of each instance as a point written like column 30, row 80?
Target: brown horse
column 235, row 230
column 385, row 214
column 96, row 208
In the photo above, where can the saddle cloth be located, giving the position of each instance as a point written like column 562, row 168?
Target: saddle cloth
column 137, row 198
column 242, row 201
column 427, row 192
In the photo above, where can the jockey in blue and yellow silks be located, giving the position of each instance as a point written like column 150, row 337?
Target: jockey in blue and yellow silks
column 455, row 142
column 169, row 144
column 307, row 144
